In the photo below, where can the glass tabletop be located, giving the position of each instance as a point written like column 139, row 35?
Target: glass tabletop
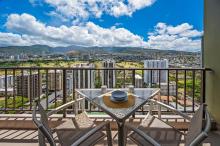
column 141, row 95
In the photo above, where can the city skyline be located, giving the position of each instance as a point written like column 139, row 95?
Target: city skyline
column 103, row 23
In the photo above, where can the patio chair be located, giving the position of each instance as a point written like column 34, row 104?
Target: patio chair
column 79, row 131
column 154, row 131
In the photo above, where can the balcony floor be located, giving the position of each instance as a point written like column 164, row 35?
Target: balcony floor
column 16, row 131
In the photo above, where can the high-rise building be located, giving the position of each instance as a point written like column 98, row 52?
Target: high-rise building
column 108, row 76
column 9, row 81
column 28, row 85
column 55, row 80
column 138, row 81
column 154, row 77
column 9, row 86
column 164, row 89
column 84, row 77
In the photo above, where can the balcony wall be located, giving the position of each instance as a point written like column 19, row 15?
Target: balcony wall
column 212, row 55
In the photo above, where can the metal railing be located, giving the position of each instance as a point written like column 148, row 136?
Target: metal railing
column 183, row 88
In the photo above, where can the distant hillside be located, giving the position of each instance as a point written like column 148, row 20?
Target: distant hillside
column 35, row 49
column 43, row 49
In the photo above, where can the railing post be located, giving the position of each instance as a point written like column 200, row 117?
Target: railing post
column 47, row 93
column 193, row 94
column 64, row 91
column 159, row 106
column 133, row 77
column 76, row 105
column 31, row 88
column 185, row 73
column 203, row 85
column 74, row 87
column 168, row 87
column 83, row 104
column 133, row 82
column 177, row 88
column 6, row 95
column 39, row 84
column 14, row 89
column 55, row 87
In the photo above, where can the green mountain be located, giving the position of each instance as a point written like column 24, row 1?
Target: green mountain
column 43, row 49
column 31, row 50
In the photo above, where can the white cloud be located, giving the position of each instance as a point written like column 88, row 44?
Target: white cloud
column 139, row 4
column 36, row 2
column 80, row 10
column 30, row 31
column 180, row 37
column 7, row 39
column 25, row 29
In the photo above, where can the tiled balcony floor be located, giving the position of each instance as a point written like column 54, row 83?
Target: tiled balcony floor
column 21, row 132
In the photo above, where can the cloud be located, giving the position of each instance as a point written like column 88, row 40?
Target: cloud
column 81, row 10
column 25, row 29
column 7, row 39
column 181, row 37
column 28, row 30
column 35, row 3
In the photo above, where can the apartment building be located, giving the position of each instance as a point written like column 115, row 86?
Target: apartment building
column 55, row 80
column 155, row 76
column 83, row 78
column 164, row 89
column 28, row 85
column 138, row 81
column 108, row 76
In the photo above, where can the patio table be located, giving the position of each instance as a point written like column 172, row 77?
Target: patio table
column 142, row 95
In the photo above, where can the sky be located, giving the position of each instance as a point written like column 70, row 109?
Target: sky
column 154, row 24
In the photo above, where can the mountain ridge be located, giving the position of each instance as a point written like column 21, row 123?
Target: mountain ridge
column 44, row 49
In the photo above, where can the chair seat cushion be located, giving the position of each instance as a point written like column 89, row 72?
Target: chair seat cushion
column 160, row 131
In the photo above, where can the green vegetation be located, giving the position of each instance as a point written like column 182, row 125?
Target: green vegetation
column 40, row 63
column 59, row 103
column 14, row 103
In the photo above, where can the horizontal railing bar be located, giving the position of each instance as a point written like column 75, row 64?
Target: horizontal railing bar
column 94, row 111
column 82, row 68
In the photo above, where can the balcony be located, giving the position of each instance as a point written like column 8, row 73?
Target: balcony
column 183, row 89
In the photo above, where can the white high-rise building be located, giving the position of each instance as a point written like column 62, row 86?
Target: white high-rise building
column 9, row 81
column 84, row 78
column 55, row 78
column 108, row 76
column 154, row 64
column 138, row 81
column 9, row 86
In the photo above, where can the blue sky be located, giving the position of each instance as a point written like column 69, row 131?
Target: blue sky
column 155, row 24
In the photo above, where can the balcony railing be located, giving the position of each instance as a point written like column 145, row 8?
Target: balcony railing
column 183, row 88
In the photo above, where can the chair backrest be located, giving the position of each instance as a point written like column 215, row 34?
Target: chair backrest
column 195, row 133
column 42, row 124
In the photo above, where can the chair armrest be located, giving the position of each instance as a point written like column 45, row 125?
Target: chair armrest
column 185, row 116
column 90, row 133
column 64, row 106
column 143, row 135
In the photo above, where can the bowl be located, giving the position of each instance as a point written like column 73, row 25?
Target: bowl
column 119, row 95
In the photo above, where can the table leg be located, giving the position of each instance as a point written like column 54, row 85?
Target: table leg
column 121, row 136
